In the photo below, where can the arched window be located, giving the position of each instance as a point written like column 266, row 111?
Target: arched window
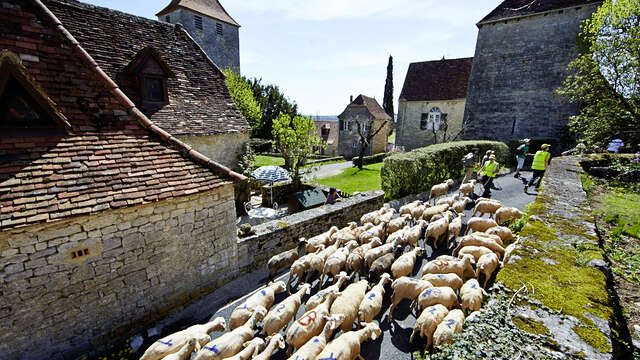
column 434, row 119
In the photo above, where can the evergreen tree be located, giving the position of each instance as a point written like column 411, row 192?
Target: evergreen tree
column 387, row 102
column 272, row 103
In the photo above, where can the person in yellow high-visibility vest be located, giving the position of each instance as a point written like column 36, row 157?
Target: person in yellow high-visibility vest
column 489, row 171
column 539, row 165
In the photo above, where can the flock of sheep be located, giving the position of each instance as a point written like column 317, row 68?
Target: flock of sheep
column 364, row 258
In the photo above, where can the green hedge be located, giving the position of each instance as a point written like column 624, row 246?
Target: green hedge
column 416, row 171
column 369, row 159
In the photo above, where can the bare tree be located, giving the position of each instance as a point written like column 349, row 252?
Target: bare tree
column 367, row 137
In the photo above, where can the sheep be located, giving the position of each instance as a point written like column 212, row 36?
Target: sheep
column 439, row 189
column 479, row 241
column 449, row 200
column 347, row 345
column 276, row 341
column 360, row 229
column 471, row 295
column 416, row 212
column 348, row 302
column 321, row 239
column 437, row 295
column 484, row 207
column 450, row 325
column 398, row 236
column 284, row 259
column 480, row 199
column 475, row 251
column 174, row 342
column 371, row 255
column 314, row 347
column 345, row 234
column 184, row 352
column 479, row 224
column 461, row 267
column 384, row 218
column 434, row 210
column 460, row 205
column 426, row 323
column 310, row 324
column 356, row 257
column 230, row 343
column 376, row 231
column 336, row 262
column 407, row 208
column 485, row 266
column 371, row 216
column 508, row 251
column 503, row 232
column 251, row 348
column 262, row 298
column 316, row 263
column 439, row 228
column 281, row 315
column 507, row 213
column 383, row 263
column 485, row 235
column 467, row 188
column 414, row 233
column 397, row 223
column 372, row 303
column 299, row 267
column 455, row 226
column 319, row 297
column 450, row 280
column 405, row 288
column 405, row 263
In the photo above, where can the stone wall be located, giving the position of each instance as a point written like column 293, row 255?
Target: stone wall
column 411, row 136
column 279, row 235
column 78, row 284
column 518, row 64
column 222, row 148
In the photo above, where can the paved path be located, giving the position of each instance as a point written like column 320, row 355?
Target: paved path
column 394, row 342
column 323, row 171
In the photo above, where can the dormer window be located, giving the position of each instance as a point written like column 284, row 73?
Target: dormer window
column 218, row 28
column 151, row 74
column 197, row 22
column 154, row 88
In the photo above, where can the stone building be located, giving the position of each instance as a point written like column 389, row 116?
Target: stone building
column 371, row 116
column 107, row 221
column 210, row 25
column 327, row 130
column 521, row 58
column 432, row 100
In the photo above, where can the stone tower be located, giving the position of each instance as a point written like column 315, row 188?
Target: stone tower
column 210, row 25
column 521, row 58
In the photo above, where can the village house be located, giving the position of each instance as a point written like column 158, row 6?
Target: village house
column 432, row 101
column 370, row 115
column 327, row 130
column 107, row 219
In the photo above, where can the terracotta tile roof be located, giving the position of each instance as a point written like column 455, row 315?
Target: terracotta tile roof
column 437, row 80
column 210, row 8
column 111, row 157
column 517, row 8
column 199, row 101
column 372, row 106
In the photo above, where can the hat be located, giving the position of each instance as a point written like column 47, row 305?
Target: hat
column 492, row 157
column 544, row 146
column 526, row 140
column 475, row 149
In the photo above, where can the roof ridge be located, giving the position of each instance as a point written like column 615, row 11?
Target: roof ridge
column 455, row 59
column 83, row 5
column 144, row 121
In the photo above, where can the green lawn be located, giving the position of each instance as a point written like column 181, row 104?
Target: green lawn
column 262, row 160
column 352, row 179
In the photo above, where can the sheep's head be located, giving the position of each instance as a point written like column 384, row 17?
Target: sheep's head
column 419, row 251
column 305, row 288
column 373, row 329
column 342, row 276
column 279, row 287
column 335, row 320
column 375, row 242
column 259, row 312
column 278, row 339
column 385, row 278
column 219, row 324
column 333, row 229
column 449, row 182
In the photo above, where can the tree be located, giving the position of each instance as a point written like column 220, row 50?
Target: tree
column 606, row 75
column 387, row 101
column 242, row 95
column 367, row 133
column 295, row 138
column 273, row 103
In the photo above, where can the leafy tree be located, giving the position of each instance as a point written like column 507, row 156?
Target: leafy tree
column 367, row 133
column 387, row 101
column 242, row 95
column 606, row 78
column 295, row 138
column 273, row 103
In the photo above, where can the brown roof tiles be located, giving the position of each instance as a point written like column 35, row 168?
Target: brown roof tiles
column 437, row 80
column 518, row 8
column 371, row 105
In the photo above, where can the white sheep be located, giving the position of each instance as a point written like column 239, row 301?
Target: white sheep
column 278, row 317
column 450, row 280
column 434, row 210
column 355, row 260
column 405, row 263
column 316, row 263
column 455, row 226
column 439, row 229
column 439, row 189
column 427, row 322
column 377, row 231
column 360, row 229
column 414, row 233
column 507, row 213
column 397, row 223
column 486, row 235
column 263, row 298
column 398, row 236
column 174, row 342
column 284, row 259
column 372, row 254
column 372, row 303
column 383, row 263
column 314, row 347
column 503, row 232
column 310, row 324
column 345, row 234
column 347, row 345
column 449, row 200
column 276, row 341
column 461, row 267
column 479, row 224
column 471, row 295
column 450, row 325
column 371, row 216
column 485, row 266
column 416, row 212
column 184, row 352
column 251, row 348
column 336, row 262
column 437, row 295
column 475, row 251
column 348, row 302
column 486, row 207
column 405, row 288
column 321, row 239
column 479, row 241
column 407, row 208
column 460, row 205
column 230, row 343
column 508, row 251
column 467, row 188
column 299, row 268
column 385, row 218
column 320, row 296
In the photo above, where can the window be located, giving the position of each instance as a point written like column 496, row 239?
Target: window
column 167, row 18
column 342, row 125
column 364, row 127
column 149, row 71
column 218, row 28
column 154, row 89
column 423, row 121
column 19, row 110
column 349, row 125
column 197, row 21
column 324, row 133
column 434, row 119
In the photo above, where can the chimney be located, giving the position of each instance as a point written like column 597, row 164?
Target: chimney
column 350, row 99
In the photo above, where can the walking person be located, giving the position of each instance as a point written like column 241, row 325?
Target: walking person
column 521, row 153
column 485, row 158
column 469, row 161
column 489, row 171
column 539, row 165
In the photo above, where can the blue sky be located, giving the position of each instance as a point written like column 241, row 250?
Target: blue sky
column 321, row 51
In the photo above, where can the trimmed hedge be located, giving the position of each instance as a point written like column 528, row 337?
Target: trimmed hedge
column 370, row 159
column 416, row 171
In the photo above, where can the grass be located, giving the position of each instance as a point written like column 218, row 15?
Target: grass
column 262, row 160
column 352, row 179
column 392, row 138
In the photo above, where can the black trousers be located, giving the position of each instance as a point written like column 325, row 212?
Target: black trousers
column 487, row 182
column 537, row 174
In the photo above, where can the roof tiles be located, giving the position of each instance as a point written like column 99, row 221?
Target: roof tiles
column 437, row 80
column 518, row 8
